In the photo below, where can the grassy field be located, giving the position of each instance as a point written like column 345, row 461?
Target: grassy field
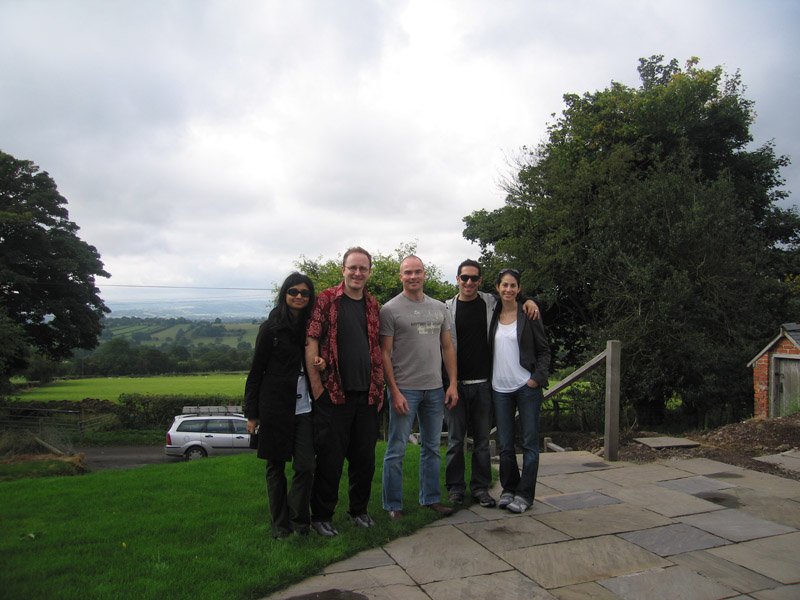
column 110, row 388
column 160, row 331
column 186, row 530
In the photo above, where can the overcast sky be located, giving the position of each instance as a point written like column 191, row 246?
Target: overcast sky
column 204, row 143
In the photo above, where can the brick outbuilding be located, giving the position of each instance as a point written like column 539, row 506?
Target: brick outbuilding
column 776, row 375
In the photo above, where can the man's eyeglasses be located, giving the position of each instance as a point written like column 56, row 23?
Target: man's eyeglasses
column 357, row 269
column 472, row 278
column 295, row 292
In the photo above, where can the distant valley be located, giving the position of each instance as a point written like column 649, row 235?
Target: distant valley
column 226, row 310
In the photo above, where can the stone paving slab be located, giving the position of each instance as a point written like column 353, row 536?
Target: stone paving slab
column 378, row 577
column 512, row 533
column 756, row 503
column 542, row 489
column 673, row 583
column 666, row 442
column 449, row 554
column 510, row 585
column 772, row 484
column 580, row 561
column 584, row 591
column 702, row 466
column 736, row 525
column 558, row 463
column 774, row 557
column 695, row 484
column 579, row 500
column 392, row 592
column 674, row 539
column 640, row 474
column 786, row 592
column 788, row 460
column 663, row 501
column 368, row 559
column 574, row 482
column 464, row 515
column 603, row 520
column 719, row 569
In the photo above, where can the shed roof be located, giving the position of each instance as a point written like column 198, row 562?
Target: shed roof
column 790, row 331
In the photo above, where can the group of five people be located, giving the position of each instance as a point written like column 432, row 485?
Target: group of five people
column 335, row 353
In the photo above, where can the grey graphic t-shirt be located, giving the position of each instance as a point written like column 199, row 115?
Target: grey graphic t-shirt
column 416, row 328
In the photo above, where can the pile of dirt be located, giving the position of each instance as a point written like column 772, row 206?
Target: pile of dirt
column 735, row 444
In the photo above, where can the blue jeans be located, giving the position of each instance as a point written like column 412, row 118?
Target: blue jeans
column 529, row 402
column 428, row 406
column 472, row 415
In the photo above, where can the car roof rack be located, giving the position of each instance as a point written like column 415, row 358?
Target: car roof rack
column 196, row 411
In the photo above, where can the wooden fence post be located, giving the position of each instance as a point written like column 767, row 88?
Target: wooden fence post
column 611, row 442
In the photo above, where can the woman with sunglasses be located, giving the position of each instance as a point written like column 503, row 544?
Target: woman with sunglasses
column 278, row 404
column 520, row 368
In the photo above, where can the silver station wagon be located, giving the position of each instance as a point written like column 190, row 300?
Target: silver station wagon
column 194, row 436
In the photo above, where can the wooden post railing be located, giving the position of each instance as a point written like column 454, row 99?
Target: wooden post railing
column 611, row 356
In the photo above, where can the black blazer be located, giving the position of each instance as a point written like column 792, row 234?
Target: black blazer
column 534, row 351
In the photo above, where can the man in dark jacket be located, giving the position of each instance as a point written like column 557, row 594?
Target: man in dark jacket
column 343, row 332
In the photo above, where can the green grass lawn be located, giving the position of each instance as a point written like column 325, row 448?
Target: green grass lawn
column 186, row 530
column 110, row 388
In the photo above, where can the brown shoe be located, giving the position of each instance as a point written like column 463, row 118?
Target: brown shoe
column 396, row 515
column 441, row 508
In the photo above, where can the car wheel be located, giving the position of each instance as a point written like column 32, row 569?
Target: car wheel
column 194, row 453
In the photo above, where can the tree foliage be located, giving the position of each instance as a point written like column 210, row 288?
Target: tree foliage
column 47, row 273
column 384, row 283
column 646, row 217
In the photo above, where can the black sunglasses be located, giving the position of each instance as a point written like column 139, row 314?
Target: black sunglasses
column 514, row 272
column 295, row 292
column 472, row 278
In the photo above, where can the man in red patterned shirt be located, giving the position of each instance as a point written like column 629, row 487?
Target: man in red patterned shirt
column 343, row 331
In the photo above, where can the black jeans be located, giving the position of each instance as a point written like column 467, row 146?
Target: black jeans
column 472, row 415
column 341, row 431
column 289, row 510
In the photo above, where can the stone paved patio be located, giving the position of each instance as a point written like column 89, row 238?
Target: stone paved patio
column 690, row 528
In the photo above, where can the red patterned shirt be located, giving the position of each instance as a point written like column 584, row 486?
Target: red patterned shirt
column 324, row 326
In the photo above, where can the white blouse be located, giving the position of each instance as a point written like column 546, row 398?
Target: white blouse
column 507, row 374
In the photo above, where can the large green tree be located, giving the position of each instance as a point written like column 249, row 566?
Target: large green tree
column 384, row 283
column 646, row 216
column 48, row 295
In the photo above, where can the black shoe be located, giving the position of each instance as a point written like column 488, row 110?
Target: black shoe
column 457, row 498
column 484, row 499
column 363, row 520
column 324, row 528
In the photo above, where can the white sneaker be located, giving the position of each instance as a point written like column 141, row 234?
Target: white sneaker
column 518, row 505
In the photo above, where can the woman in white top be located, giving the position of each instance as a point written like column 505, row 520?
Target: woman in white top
column 520, row 368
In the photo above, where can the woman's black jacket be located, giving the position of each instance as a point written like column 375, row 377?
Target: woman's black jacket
column 534, row 351
column 270, row 392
